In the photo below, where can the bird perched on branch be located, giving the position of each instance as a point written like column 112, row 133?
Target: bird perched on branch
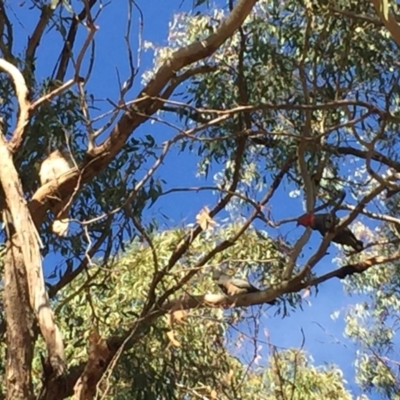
column 55, row 165
column 324, row 223
column 233, row 286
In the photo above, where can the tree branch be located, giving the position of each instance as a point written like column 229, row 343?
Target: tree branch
column 389, row 21
column 23, row 102
column 65, row 55
column 30, row 247
column 34, row 39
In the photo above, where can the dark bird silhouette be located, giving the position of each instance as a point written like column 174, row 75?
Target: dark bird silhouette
column 324, row 223
column 233, row 286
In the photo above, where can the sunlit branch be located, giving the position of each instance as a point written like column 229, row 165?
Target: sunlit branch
column 21, row 91
column 373, row 215
column 92, row 28
column 309, row 188
column 388, row 20
column 49, row 96
column 265, row 296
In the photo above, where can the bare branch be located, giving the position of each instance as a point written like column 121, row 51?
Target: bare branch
column 70, row 40
column 360, row 17
column 92, row 28
column 23, row 102
column 34, row 39
column 244, row 300
column 49, row 96
column 364, row 154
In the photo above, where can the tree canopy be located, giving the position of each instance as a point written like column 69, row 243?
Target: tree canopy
column 199, row 154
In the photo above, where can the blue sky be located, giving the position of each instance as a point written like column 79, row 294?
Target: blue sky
column 324, row 336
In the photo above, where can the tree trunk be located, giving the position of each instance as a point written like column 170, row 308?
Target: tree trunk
column 19, row 324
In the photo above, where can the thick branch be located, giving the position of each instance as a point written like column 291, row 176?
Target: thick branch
column 19, row 320
column 34, row 40
column 180, row 59
column 389, row 21
column 23, row 102
column 365, row 154
column 30, row 248
column 102, row 155
column 212, row 300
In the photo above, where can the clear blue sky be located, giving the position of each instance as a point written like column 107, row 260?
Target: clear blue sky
column 324, row 336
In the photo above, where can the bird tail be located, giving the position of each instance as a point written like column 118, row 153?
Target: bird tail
column 358, row 245
column 60, row 227
column 61, row 223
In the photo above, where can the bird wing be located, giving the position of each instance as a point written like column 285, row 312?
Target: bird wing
column 243, row 284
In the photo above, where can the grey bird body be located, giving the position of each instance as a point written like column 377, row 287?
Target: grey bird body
column 234, row 286
column 324, row 223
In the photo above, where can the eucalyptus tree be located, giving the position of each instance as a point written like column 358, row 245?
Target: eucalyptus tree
column 279, row 100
